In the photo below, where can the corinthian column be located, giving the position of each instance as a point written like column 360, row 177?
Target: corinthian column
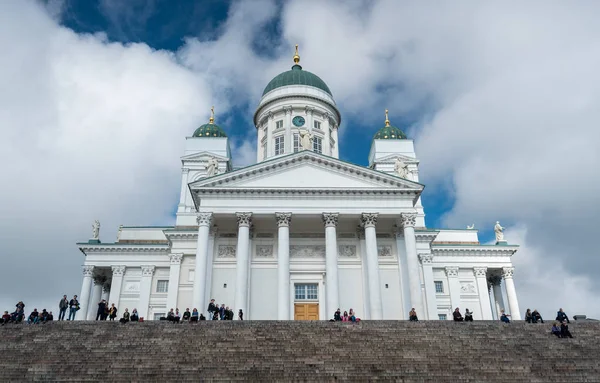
column 331, row 265
column 242, row 256
column 495, row 281
column 204, row 220
column 283, row 265
column 96, row 296
column 484, row 296
column 369, row 220
column 84, row 296
column 511, row 293
column 412, row 261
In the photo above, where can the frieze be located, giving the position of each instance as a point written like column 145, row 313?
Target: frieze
column 467, row 288
column 132, row 287
column 347, row 251
column 264, row 251
column 307, row 235
column 307, row 251
column 226, row 251
column 384, row 251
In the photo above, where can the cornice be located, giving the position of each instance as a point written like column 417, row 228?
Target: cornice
column 299, row 191
column 262, row 107
column 426, row 236
column 123, row 248
column 478, row 251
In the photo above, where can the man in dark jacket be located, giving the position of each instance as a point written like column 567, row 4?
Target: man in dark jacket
column 561, row 316
column 101, row 310
column 212, row 307
column 73, row 307
column 63, row 305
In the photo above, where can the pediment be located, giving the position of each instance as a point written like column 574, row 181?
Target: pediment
column 203, row 156
column 390, row 158
column 307, row 170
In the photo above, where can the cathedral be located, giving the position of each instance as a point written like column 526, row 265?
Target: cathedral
column 300, row 233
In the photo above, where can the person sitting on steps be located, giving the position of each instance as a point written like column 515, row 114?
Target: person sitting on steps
column 556, row 330
column 457, row 315
column 352, row 316
column 134, row 316
column 186, row 315
column 561, row 316
column 194, row 317
column 468, row 316
column 504, row 317
column 5, row 318
column 528, row 316
column 564, row 330
column 536, row 317
column 337, row 316
column 125, row 317
column 33, row 317
column 412, row 315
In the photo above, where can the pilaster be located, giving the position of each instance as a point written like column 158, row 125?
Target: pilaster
column 454, row 287
column 116, row 284
column 431, row 304
column 174, row 273
column 145, row 290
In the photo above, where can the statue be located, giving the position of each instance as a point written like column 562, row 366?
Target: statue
column 96, row 230
column 471, row 227
column 306, row 140
column 400, row 168
column 212, row 167
column 499, row 230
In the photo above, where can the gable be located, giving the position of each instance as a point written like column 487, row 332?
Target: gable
column 202, row 156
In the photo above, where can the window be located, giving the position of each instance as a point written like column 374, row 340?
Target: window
column 306, row 292
column 279, row 145
column 264, row 150
column 442, row 316
column 296, row 142
column 162, row 286
column 317, row 125
column 157, row 316
column 439, row 286
column 279, row 124
column 318, row 144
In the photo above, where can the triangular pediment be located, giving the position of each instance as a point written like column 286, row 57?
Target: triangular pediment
column 202, row 156
column 307, row 170
column 392, row 157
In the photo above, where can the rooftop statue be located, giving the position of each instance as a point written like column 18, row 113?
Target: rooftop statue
column 499, row 230
column 96, row 229
column 212, row 167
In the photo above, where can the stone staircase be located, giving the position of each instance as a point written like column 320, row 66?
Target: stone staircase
column 263, row 351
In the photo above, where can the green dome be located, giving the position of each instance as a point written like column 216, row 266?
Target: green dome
column 297, row 76
column 209, row 130
column 389, row 132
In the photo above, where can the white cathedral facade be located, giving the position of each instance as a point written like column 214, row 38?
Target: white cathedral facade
column 300, row 233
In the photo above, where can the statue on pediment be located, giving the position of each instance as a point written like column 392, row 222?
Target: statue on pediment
column 401, row 168
column 499, row 231
column 212, row 167
column 306, row 140
column 96, row 230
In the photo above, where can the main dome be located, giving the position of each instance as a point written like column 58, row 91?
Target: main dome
column 297, row 76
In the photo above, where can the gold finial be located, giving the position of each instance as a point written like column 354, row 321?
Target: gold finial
column 296, row 56
column 212, row 115
column 387, row 120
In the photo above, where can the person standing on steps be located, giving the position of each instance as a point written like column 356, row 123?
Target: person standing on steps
column 241, row 315
column 101, row 310
column 73, row 307
column 112, row 313
column 63, row 305
column 211, row 308
column 412, row 315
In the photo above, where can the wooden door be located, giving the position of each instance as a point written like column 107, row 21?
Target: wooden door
column 306, row 311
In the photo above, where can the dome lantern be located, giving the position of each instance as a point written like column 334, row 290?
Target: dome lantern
column 211, row 129
column 389, row 132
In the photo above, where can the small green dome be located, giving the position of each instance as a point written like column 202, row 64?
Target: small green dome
column 389, row 133
column 209, row 130
column 297, row 76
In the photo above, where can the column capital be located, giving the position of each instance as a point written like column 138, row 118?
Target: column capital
column 452, row 271
column 507, row 272
column 270, row 115
column 185, row 170
column 426, row 259
column 244, row 219
column 88, row 271
column 326, row 116
column 118, row 271
column 330, row 219
column 176, row 258
column 309, row 110
column 408, row 219
column 495, row 280
column 204, row 219
column 369, row 219
column 480, row 271
column 287, row 109
column 283, row 219
column 148, row 270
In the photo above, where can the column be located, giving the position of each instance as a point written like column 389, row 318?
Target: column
column 454, row 287
column 334, row 135
column 482, row 289
column 327, row 141
column 427, row 263
column 212, row 235
column 184, row 188
column 96, row 296
column 511, row 293
column 84, row 296
column 174, row 273
column 283, row 265
column 403, row 271
column 105, row 291
column 412, row 262
column 496, row 282
column 270, row 128
column 116, row 285
column 309, row 118
column 360, row 233
column 241, row 281
column 369, row 220
column 145, row 290
column 204, row 220
column 288, row 130
column 331, row 263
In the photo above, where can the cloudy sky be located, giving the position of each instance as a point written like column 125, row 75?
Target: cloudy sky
column 502, row 99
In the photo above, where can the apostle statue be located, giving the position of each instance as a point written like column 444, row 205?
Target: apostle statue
column 212, row 167
column 96, row 230
column 499, row 230
column 306, row 140
column 400, row 168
